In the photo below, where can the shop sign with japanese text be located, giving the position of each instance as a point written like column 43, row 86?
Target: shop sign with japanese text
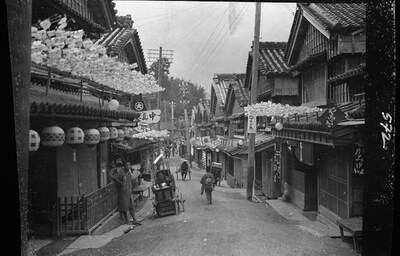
column 331, row 117
column 252, row 124
column 359, row 157
column 150, row 116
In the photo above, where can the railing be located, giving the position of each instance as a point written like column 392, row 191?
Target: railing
column 81, row 215
column 100, row 204
column 71, row 215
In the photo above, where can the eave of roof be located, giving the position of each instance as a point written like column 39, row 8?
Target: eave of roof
column 40, row 103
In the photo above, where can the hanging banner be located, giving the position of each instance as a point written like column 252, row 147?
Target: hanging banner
column 359, row 157
column 252, row 124
column 277, row 166
column 331, row 117
column 150, row 116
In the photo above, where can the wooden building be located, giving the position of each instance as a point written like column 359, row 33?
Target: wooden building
column 70, row 190
column 276, row 83
column 321, row 154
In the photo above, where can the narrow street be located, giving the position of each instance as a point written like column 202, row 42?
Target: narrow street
column 230, row 226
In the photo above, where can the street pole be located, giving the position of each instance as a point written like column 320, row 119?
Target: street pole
column 187, row 137
column 173, row 129
column 253, row 98
column 158, row 95
column 159, row 82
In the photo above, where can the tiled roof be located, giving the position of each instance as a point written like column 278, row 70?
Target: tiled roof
column 262, row 140
column 58, row 102
column 116, row 40
column 272, row 58
column 241, row 93
column 221, row 85
column 359, row 70
column 337, row 15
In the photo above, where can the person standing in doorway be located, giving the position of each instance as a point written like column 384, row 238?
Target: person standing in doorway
column 207, row 184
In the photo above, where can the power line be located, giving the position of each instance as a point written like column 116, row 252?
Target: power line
column 194, row 28
column 203, row 66
column 207, row 41
column 169, row 14
column 165, row 17
column 220, row 32
column 208, row 62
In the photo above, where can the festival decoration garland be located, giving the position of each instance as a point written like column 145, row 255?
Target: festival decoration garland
column 278, row 110
column 68, row 51
column 151, row 134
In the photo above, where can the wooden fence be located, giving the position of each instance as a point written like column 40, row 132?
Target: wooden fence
column 81, row 215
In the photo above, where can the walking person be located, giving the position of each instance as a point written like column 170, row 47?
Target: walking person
column 123, row 178
column 207, row 184
column 184, row 169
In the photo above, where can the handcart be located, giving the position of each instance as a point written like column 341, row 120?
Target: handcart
column 167, row 198
column 216, row 169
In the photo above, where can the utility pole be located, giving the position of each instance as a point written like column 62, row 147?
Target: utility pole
column 172, row 104
column 253, row 100
column 183, row 89
column 159, row 82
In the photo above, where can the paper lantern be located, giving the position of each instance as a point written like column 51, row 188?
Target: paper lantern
column 278, row 126
column 113, row 133
column 92, row 137
column 113, row 104
column 126, row 132
column 34, row 140
column 52, row 136
column 74, row 136
column 121, row 135
column 104, row 133
column 130, row 131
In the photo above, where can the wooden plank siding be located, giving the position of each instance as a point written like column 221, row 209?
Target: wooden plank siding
column 344, row 92
column 314, row 89
column 287, row 86
column 80, row 6
column 314, row 42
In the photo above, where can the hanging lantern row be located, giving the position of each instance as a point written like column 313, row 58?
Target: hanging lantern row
column 54, row 136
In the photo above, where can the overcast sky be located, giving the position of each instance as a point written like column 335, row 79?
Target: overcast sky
column 206, row 37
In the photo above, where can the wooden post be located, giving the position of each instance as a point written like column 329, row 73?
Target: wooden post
column 102, row 96
column 158, row 94
column 159, row 82
column 48, row 81
column 19, row 15
column 187, row 137
column 81, row 91
column 173, row 129
column 253, row 98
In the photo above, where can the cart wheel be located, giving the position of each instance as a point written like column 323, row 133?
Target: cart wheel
column 182, row 201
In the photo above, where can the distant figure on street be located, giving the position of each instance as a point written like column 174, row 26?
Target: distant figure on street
column 123, row 178
column 207, row 184
column 167, row 152
column 184, row 169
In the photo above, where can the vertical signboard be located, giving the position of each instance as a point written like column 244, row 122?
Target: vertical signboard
column 252, row 124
